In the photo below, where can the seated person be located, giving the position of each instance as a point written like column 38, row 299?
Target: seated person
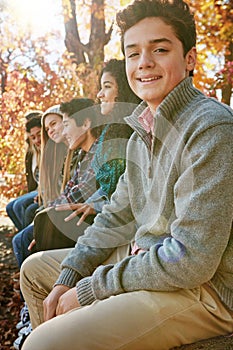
column 53, row 152
column 53, row 144
column 22, row 209
column 117, row 100
column 173, row 204
column 50, row 229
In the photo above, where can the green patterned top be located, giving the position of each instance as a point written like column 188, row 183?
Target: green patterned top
column 109, row 162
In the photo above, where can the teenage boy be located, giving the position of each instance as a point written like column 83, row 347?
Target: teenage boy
column 174, row 201
column 81, row 132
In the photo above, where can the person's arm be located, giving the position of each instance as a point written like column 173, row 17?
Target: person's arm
column 96, row 245
column 98, row 199
column 190, row 255
column 93, row 205
column 78, row 188
column 108, row 176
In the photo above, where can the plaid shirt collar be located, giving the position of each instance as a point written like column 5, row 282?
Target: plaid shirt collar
column 146, row 120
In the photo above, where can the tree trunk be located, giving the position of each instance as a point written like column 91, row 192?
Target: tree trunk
column 72, row 38
column 91, row 53
column 3, row 76
column 98, row 37
column 227, row 88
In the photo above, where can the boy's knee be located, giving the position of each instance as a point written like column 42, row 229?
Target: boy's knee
column 28, row 265
column 15, row 240
column 9, row 207
column 17, row 205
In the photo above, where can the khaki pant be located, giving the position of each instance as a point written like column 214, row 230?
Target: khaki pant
column 139, row 320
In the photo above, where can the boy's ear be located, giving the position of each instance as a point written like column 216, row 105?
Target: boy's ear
column 191, row 58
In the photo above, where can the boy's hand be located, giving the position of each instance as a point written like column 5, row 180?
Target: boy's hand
column 51, row 302
column 32, row 244
column 68, row 301
column 78, row 208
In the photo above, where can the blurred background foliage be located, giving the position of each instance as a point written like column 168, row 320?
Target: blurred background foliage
column 44, row 65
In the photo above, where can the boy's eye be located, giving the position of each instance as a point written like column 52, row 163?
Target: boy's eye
column 160, row 49
column 133, row 54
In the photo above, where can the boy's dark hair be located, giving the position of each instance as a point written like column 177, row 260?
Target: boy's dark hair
column 81, row 109
column 32, row 114
column 73, row 107
column 33, row 122
column 117, row 69
column 175, row 13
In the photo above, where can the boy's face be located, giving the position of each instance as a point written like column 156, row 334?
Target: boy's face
column 75, row 135
column 155, row 61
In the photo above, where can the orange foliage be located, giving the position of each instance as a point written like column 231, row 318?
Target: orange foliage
column 23, row 92
column 29, row 81
column 214, row 19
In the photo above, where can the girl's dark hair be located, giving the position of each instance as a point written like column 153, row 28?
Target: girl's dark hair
column 175, row 13
column 117, row 69
column 126, row 101
column 33, row 122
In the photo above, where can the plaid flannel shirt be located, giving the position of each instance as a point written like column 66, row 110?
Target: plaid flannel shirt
column 83, row 183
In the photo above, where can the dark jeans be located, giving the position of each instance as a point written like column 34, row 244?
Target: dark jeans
column 20, row 243
column 22, row 210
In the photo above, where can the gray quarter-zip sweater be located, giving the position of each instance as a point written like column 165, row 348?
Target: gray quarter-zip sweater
column 175, row 200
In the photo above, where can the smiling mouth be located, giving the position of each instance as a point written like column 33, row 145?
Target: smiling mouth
column 146, row 80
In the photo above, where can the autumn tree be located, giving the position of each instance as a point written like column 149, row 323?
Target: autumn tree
column 214, row 20
column 224, row 14
column 87, row 56
column 28, row 81
column 91, row 52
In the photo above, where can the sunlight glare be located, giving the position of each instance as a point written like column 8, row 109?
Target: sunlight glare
column 37, row 16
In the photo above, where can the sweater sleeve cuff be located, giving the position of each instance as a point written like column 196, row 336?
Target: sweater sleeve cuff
column 98, row 200
column 84, row 292
column 68, row 277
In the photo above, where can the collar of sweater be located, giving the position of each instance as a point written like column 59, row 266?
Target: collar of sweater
column 175, row 102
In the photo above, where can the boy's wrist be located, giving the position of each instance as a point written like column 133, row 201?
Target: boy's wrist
column 68, row 277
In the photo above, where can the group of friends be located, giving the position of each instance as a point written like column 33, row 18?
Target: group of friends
column 125, row 237
column 79, row 154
